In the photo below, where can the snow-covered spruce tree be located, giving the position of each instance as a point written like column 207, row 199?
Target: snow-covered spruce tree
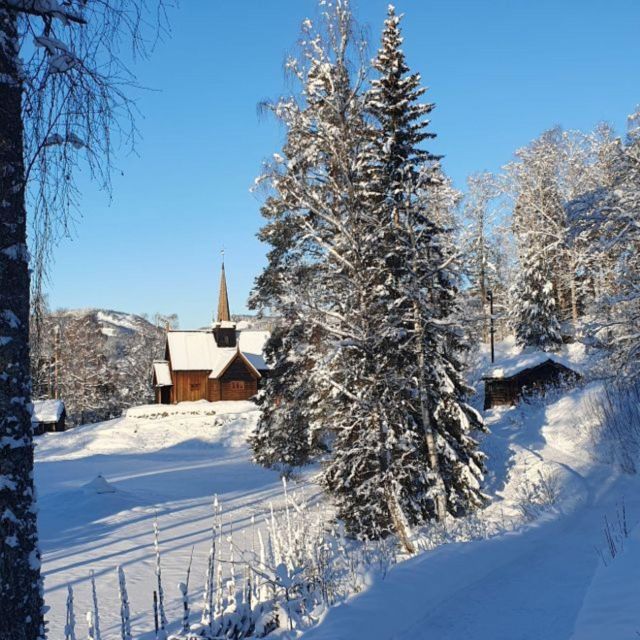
column 424, row 423
column 540, row 231
column 282, row 438
column 344, row 208
column 59, row 98
column 534, row 310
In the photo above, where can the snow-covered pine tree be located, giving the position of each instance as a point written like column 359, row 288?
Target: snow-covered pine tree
column 534, row 311
column 539, row 226
column 346, row 211
column 423, row 203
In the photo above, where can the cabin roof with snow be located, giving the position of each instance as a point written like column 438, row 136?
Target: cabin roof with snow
column 513, row 365
column 47, row 411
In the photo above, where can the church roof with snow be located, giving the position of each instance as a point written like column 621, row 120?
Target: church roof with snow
column 198, row 351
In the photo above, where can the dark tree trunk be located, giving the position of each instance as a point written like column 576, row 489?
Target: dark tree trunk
column 21, row 605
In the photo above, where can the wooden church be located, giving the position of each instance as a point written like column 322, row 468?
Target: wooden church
column 214, row 364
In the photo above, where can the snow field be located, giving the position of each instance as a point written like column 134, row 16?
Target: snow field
column 541, row 578
column 538, row 575
column 164, row 461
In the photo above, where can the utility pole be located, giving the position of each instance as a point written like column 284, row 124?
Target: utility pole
column 491, row 327
column 56, row 360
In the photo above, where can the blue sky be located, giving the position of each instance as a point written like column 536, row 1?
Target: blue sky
column 499, row 71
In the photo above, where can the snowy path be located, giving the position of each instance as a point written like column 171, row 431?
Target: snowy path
column 171, row 466
column 527, row 585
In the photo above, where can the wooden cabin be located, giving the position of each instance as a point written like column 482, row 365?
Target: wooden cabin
column 529, row 373
column 214, row 364
column 48, row 415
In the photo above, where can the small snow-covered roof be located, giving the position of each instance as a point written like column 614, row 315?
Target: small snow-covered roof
column 226, row 358
column 47, row 410
column 510, row 366
column 162, row 373
column 222, row 359
column 225, row 324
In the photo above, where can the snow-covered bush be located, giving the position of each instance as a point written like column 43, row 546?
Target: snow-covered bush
column 616, row 433
column 538, row 494
column 299, row 564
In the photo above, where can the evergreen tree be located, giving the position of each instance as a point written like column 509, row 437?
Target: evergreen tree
column 282, row 437
column 540, row 229
column 534, row 306
column 403, row 453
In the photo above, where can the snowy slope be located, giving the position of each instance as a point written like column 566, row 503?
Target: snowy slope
column 164, row 460
column 610, row 608
column 537, row 579
column 531, row 583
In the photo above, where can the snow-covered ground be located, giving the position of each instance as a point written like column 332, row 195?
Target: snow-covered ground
column 541, row 578
column 168, row 461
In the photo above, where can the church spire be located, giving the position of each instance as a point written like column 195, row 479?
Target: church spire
column 223, row 299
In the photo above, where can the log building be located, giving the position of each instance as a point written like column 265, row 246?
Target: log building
column 527, row 374
column 214, row 364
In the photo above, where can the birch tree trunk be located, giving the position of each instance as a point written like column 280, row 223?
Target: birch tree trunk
column 21, row 604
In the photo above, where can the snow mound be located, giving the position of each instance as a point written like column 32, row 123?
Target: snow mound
column 99, row 485
column 194, row 426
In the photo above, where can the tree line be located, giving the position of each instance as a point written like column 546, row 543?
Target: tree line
column 98, row 370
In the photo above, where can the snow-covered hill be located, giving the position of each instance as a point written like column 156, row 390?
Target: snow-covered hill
column 97, row 361
column 119, row 327
column 168, row 461
column 530, row 567
column 543, row 577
